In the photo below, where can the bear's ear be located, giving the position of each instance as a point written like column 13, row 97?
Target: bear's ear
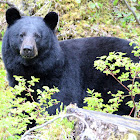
column 51, row 19
column 12, row 14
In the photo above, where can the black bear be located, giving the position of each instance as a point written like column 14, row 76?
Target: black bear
column 30, row 48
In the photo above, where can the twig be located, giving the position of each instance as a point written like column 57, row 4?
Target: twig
column 132, row 112
column 133, row 97
column 132, row 12
column 45, row 124
column 37, row 108
column 118, row 80
column 126, row 88
column 136, row 113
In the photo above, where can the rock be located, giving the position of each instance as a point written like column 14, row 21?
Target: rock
column 103, row 126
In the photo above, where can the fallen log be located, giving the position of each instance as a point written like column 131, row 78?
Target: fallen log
column 104, row 126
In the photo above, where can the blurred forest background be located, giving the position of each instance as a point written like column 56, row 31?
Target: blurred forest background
column 77, row 18
column 82, row 18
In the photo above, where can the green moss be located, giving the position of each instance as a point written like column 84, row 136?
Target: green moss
column 84, row 16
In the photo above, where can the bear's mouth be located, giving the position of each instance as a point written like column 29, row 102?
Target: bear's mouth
column 27, row 57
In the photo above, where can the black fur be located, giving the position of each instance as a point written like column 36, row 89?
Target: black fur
column 67, row 65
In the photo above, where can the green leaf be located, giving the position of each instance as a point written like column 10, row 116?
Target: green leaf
column 131, row 43
column 115, row 2
column 130, row 104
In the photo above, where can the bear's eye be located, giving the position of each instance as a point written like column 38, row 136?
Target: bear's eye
column 22, row 34
column 37, row 35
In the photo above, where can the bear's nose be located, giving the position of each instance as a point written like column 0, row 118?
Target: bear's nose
column 27, row 49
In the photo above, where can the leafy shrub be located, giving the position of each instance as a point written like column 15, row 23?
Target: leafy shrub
column 12, row 118
column 110, row 65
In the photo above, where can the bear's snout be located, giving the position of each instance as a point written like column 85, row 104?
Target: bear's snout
column 28, row 48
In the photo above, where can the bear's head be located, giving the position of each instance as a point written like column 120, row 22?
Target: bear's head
column 28, row 36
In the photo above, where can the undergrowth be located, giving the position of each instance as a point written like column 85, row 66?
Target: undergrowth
column 77, row 18
column 13, row 119
column 111, row 65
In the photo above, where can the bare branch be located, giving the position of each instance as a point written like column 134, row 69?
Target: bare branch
column 132, row 12
column 63, row 116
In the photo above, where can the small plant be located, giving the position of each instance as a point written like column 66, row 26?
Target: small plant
column 16, row 112
column 96, row 103
column 110, row 65
column 13, row 120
